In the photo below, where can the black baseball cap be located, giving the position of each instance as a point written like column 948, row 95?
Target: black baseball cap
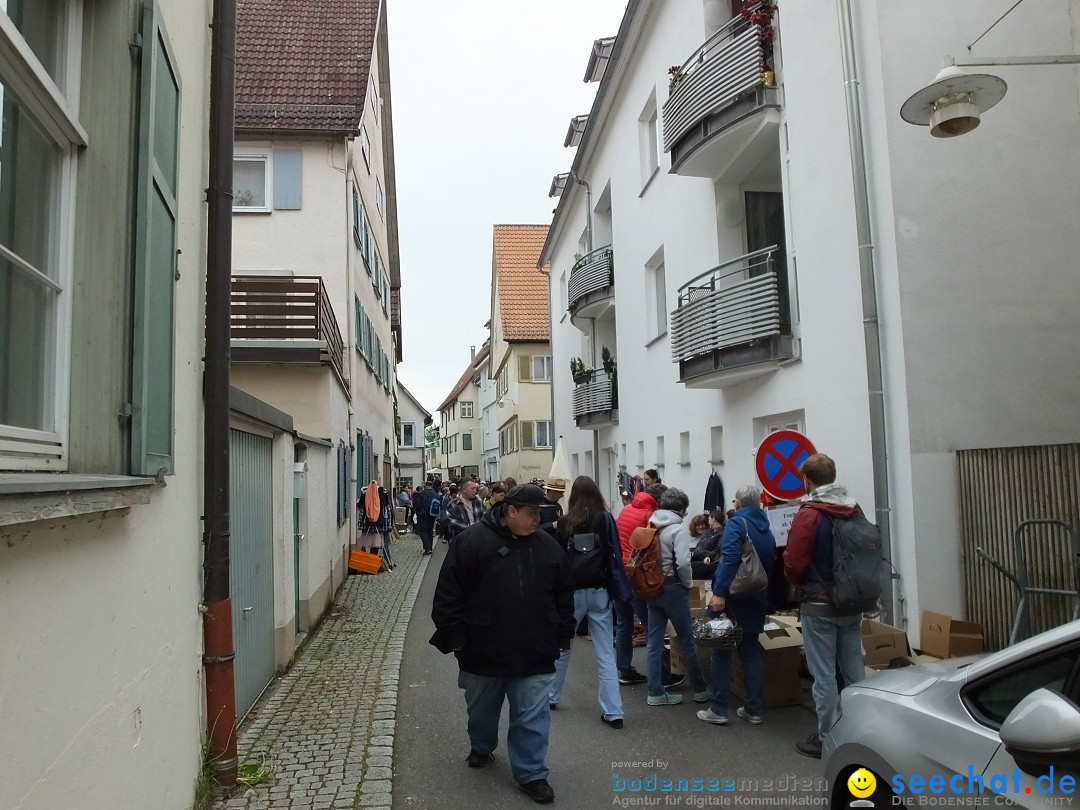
column 525, row 495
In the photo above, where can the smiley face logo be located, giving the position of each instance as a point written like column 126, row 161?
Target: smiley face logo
column 861, row 783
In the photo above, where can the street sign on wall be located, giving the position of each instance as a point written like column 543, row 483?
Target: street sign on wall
column 777, row 464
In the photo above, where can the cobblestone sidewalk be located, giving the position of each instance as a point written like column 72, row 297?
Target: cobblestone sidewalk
column 327, row 728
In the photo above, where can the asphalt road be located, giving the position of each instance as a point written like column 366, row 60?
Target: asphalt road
column 585, row 755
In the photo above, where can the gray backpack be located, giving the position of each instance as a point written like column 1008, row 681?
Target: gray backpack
column 857, row 564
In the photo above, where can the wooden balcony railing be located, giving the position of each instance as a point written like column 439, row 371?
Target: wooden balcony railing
column 274, row 308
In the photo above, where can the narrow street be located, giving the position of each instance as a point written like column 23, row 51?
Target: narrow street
column 370, row 716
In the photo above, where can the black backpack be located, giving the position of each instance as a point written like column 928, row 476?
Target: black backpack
column 857, row 564
column 588, row 561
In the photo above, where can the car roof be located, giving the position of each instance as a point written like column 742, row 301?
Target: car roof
column 1025, row 649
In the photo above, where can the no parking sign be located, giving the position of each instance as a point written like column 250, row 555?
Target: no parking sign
column 777, row 464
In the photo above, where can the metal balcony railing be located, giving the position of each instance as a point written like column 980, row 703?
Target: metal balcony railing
column 598, row 395
column 592, row 272
column 286, row 308
column 726, row 66
column 730, row 305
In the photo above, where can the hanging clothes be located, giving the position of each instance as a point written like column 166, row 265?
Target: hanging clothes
column 714, row 493
column 376, row 520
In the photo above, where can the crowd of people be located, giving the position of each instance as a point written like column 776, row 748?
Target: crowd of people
column 521, row 575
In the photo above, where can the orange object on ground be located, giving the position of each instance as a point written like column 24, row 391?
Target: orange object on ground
column 364, row 562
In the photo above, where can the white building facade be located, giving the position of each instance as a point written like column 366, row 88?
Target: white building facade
column 412, row 420
column 721, row 267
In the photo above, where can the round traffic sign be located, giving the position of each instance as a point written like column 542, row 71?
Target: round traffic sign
column 777, row 464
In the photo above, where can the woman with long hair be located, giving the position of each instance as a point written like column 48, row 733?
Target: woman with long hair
column 587, row 532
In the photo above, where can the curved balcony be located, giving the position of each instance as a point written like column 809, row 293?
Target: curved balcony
column 596, row 402
column 721, row 118
column 731, row 323
column 590, row 291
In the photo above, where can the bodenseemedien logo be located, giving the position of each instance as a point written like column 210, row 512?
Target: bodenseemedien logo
column 861, row 784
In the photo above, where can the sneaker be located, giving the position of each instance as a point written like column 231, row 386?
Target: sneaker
column 703, row 696
column 709, row 716
column 553, row 706
column 538, row 790
column 810, row 747
column 631, row 676
column 666, row 699
column 675, row 682
column 752, row 719
column 614, row 722
column 478, row 760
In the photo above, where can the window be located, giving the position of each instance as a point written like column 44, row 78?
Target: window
column 541, row 370
column 659, row 451
column 716, row 444
column 252, row 184
column 408, row 435
column 365, row 147
column 992, row 700
column 37, row 203
column 466, row 410
column 380, row 201
column 655, row 298
column 543, row 434
column 502, row 383
column 649, row 140
column 373, row 97
column 684, row 448
column 466, row 441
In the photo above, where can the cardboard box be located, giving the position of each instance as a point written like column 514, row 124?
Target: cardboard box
column 698, row 597
column 781, row 646
column 399, row 515
column 678, row 660
column 882, row 643
column 945, row 637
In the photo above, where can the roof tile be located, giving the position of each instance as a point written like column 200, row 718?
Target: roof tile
column 523, row 290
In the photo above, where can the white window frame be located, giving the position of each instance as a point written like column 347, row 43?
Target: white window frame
column 649, row 141
column 55, row 112
column 401, row 435
column 373, row 97
column 365, row 147
column 264, row 156
column 545, row 362
column 466, row 409
column 380, row 199
column 656, row 310
column 536, row 434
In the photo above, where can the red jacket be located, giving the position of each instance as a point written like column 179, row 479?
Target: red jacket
column 634, row 515
column 804, row 546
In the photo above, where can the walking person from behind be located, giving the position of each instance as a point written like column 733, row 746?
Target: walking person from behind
column 748, row 612
column 673, row 604
column 832, row 636
column 588, row 534
column 504, row 605
column 428, row 506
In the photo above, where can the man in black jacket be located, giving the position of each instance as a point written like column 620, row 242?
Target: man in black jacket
column 504, row 605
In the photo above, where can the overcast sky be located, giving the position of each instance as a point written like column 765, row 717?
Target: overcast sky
column 483, row 92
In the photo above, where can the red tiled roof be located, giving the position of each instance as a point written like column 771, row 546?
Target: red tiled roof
column 470, row 372
column 303, row 64
column 523, row 290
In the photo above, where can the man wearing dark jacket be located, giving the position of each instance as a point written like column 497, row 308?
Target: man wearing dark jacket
column 504, row 605
column 832, row 637
column 425, row 521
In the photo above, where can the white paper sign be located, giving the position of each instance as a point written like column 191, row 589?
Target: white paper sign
column 780, row 522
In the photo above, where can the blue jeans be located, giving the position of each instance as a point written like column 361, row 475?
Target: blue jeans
column 753, row 675
column 624, row 630
column 830, row 641
column 530, row 719
column 596, row 604
column 425, row 529
column 672, row 605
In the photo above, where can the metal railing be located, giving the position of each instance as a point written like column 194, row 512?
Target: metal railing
column 592, row 272
column 726, row 66
column 286, row 308
column 597, row 395
column 732, row 304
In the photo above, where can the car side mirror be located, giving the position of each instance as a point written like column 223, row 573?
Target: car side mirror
column 1043, row 731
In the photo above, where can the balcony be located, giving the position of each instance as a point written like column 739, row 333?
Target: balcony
column 732, row 323
column 590, row 291
column 284, row 319
column 596, row 401
column 721, row 117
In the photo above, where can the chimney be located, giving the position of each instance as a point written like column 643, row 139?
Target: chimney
column 472, row 352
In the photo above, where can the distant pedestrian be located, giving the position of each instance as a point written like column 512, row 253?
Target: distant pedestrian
column 465, row 510
column 498, row 492
column 706, row 553
column 832, row 637
column 651, row 477
column 428, row 507
column 405, row 501
column 748, row 612
column 504, row 605
column 551, row 511
column 587, row 532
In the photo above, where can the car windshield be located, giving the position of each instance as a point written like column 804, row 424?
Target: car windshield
column 994, row 699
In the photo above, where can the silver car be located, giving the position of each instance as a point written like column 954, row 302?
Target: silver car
column 931, row 735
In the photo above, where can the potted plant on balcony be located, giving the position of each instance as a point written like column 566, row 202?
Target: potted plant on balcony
column 614, row 380
column 579, row 372
column 675, row 75
column 609, row 361
column 762, row 15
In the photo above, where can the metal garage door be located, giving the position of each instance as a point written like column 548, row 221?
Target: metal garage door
column 251, row 570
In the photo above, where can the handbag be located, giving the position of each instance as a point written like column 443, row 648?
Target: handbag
column 751, row 578
column 587, row 563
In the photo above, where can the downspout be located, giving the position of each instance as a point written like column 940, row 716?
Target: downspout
column 218, row 652
column 871, row 327
column 589, row 249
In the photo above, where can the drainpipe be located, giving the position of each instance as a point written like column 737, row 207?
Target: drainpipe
column 871, row 328
column 217, row 607
column 588, row 212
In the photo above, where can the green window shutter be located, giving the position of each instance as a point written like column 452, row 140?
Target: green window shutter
column 288, row 179
column 152, row 348
column 356, row 307
column 526, row 435
column 525, row 368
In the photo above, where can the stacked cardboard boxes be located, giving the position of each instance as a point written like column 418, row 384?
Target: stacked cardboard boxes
column 781, row 649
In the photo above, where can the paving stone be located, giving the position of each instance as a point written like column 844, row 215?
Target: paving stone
column 327, row 726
